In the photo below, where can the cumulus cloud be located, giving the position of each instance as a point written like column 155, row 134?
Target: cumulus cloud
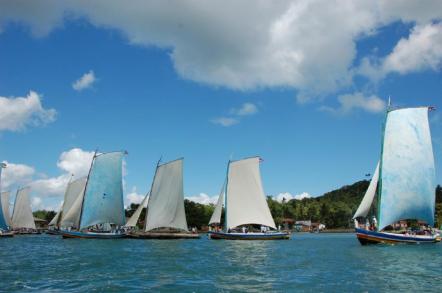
column 75, row 161
column 307, row 45
column 350, row 102
column 203, row 198
column 85, row 81
column 288, row 196
column 16, row 175
column 133, row 197
column 19, row 112
column 421, row 50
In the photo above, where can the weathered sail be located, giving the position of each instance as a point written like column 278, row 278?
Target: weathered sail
column 366, row 202
column 74, row 190
column 132, row 222
column 22, row 215
column 216, row 216
column 407, row 168
column 72, row 217
column 166, row 202
column 5, row 219
column 55, row 219
column 245, row 199
column 103, row 199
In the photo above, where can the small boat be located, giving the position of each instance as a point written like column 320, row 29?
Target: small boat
column 403, row 183
column 245, row 205
column 165, row 216
column 5, row 219
column 22, row 217
column 93, row 235
column 100, row 206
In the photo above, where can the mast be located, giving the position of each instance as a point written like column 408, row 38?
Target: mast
column 85, row 187
column 151, row 186
column 225, row 198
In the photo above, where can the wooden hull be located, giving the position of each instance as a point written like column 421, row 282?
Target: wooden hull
column 367, row 237
column 53, row 232
column 249, row 236
column 91, row 235
column 8, row 234
column 27, row 232
column 163, row 235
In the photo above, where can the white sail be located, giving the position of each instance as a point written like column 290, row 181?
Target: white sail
column 407, row 168
column 132, row 222
column 245, row 199
column 166, row 201
column 5, row 207
column 22, row 216
column 72, row 217
column 74, row 190
column 366, row 202
column 216, row 216
column 55, row 219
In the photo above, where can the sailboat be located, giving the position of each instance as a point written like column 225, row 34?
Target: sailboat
column 403, row 182
column 68, row 215
column 5, row 219
column 165, row 216
column 99, row 208
column 245, row 205
column 22, row 217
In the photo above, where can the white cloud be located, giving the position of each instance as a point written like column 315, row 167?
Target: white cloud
column 225, row 121
column 19, row 112
column 350, row 102
column 16, row 175
column 75, row 161
column 288, row 196
column 421, row 50
column 54, row 186
column 307, row 45
column 84, row 82
column 203, row 198
column 245, row 110
column 133, row 197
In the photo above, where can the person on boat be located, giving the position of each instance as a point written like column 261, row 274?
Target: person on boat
column 244, row 229
column 367, row 224
column 375, row 222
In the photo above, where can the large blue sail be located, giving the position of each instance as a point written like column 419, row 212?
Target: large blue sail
column 103, row 199
column 407, row 168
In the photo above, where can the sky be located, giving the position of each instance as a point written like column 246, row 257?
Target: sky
column 302, row 84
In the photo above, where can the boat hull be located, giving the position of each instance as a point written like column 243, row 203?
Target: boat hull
column 53, row 232
column 367, row 237
column 91, row 235
column 7, row 234
column 163, row 235
column 249, row 236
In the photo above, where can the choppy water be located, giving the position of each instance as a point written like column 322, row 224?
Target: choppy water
column 307, row 262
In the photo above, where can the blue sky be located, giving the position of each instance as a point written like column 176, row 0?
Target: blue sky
column 165, row 77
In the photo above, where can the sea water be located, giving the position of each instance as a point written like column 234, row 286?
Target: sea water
column 307, row 262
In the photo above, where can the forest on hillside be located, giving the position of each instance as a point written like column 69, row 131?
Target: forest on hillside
column 334, row 209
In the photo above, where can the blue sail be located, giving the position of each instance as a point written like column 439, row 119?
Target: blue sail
column 103, row 199
column 407, row 168
column 3, row 224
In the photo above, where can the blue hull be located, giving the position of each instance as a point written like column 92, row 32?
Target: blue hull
column 248, row 236
column 373, row 237
column 91, row 235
